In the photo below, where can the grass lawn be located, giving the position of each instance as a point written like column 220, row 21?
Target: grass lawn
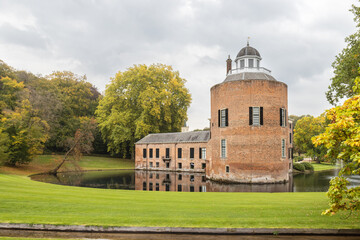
column 324, row 166
column 43, row 163
column 17, row 238
column 26, row 201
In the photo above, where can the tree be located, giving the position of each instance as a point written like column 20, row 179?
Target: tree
column 306, row 128
column 346, row 65
column 342, row 139
column 142, row 100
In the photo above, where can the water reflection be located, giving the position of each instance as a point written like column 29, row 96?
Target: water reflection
column 187, row 182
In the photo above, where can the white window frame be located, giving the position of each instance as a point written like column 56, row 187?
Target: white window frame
column 283, row 117
column 283, row 148
column 251, row 60
column 223, row 150
column 256, row 116
column 203, row 153
column 223, row 118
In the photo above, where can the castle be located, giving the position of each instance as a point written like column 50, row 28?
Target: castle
column 250, row 137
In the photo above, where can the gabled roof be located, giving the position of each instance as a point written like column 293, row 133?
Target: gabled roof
column 177, row 137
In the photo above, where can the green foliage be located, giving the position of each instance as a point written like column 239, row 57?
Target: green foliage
column 299, row 167
column 342, row 139
column 346, row 65
column 308, row 166
column 306, row 128
column 142, row 100
column 298, row 158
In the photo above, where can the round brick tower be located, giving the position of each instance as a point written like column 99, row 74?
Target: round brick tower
column 249, row 126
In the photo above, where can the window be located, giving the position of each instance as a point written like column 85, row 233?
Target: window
column 192, row 178
column 157, row 187
column 223, row 117
column 202, row 153
column 256, row 116
column 192, row 189
column 283, row 117
column 179, row 165
column 150, row 186
column 203, row 165
column 192, row 152
column 157, row 164
column 202, row 188
column 151, row 164
column 283, row 150
column 150, row 153
column 179, row 152
column 242, row 64
column 227, row 168
column 167, row 155
column 167, row 165
column 157, row 153
column 192, row 165
column 157, row 176
column 180, row 177
column 144, row 153
column 179, row 188
column 223, row 148
column 258, row 64
column 151, row 176
column 167, row 187
column 144, row 186
column 290, row 140
column 203, row 178
column 251, row 63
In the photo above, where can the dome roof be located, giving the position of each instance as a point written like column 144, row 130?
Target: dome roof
column 248, row 51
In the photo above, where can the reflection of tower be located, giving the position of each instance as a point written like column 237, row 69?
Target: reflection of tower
column 249, row 130
column 185, row 128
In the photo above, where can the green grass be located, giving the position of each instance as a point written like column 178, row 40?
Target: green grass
column 323, row 166
column 23, row 238
column 26, row 201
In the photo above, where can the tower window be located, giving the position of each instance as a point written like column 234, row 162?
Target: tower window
column 242, row 64
column 282, row 117
column 223, row 148
column 251, row 63
column 256, row 116
column 223, row 117
column 283, row 149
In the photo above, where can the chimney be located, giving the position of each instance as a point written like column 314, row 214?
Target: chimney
column 228, row 65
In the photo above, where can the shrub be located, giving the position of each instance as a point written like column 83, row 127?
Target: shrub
column 308, row 166
column 298, row 158
column 299, row 167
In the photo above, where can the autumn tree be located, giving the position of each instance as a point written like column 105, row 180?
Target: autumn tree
column 306, row 128
column 342, row 139
column 142, row 100
column 346, row 65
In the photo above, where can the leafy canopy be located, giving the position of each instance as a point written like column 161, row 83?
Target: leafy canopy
column 342, row 139
column 142, row 100
column 346, row 65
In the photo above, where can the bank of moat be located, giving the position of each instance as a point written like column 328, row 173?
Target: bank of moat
column 250, row 136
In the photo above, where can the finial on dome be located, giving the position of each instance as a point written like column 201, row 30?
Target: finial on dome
column 248, row 41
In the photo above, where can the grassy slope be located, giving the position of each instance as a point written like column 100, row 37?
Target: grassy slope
column 26, row 201
column 323, row 166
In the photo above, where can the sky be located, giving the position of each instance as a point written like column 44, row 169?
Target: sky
column 297, row 40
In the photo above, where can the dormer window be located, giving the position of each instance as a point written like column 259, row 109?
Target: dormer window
column 251, row 63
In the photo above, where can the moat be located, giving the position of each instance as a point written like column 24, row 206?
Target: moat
column 186, row 181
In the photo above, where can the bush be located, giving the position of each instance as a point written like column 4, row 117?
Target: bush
column 298, row 158
column 299, row 167
column 308, row 166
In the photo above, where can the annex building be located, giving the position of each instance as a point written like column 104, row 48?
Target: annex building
column 250, row 137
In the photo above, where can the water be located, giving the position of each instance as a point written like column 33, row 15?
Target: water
column 187, row 182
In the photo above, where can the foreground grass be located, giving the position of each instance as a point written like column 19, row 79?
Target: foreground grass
column 323, row 166
column 26, row 201
column 17, row 238
column 43, row 163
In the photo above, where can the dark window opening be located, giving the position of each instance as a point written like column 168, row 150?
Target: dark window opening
column 203, row 165
column 192, row 151
column 144, row 186
column 157, row 187
column 192, row 178
column 191, row 165
column 180, row 177
column 150, row 153
column 179, row 188
column 150, row 186
column 179, row 165
column 151, row 164
column 203, row 178
column 167, row 187
column 167, row 153
column 144, row 153
column 192, row 189
column 151, row 176
column 157, row 164
column 157, row 176
column 157, row 153
column 179, row 152
column 227, row 169
column 167, row 165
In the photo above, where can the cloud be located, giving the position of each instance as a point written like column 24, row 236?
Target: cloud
column 298, row 41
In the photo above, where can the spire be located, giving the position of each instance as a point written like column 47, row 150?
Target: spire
column 248, row 39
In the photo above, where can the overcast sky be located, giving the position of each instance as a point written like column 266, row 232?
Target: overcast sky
column 298, row 41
